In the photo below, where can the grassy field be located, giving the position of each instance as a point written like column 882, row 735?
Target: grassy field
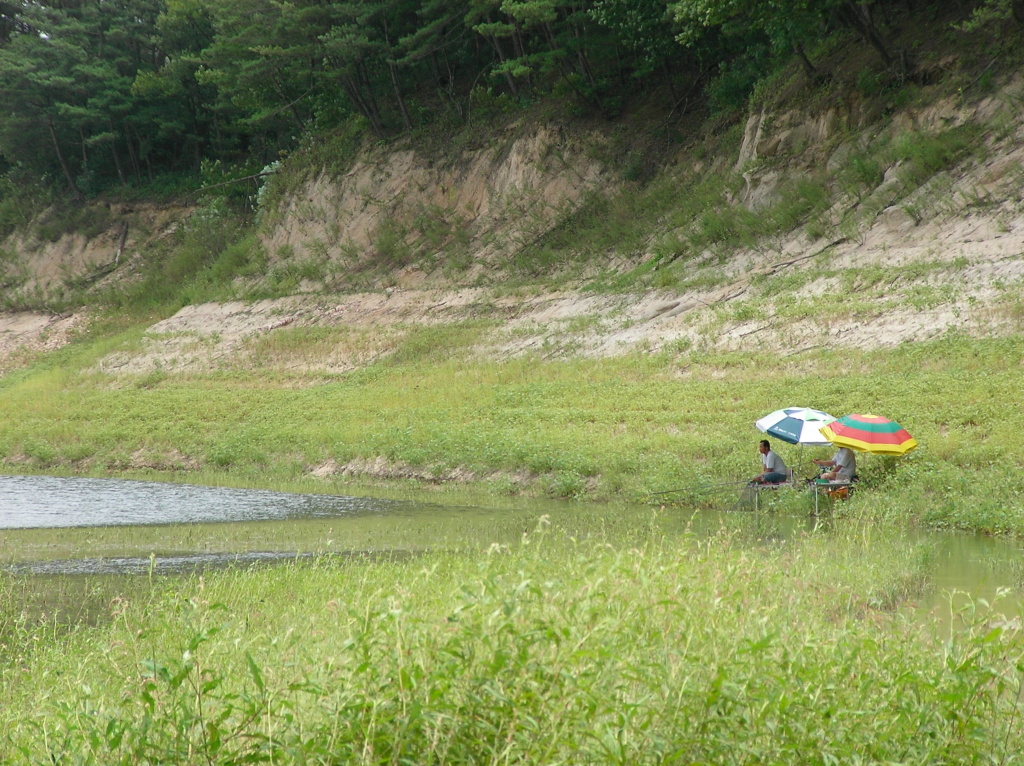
column 628, row 648
column 618, row 428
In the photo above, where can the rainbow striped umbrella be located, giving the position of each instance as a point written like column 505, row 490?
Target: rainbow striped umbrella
column 869, row 433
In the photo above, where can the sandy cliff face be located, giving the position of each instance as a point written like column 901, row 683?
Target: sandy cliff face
column 492, row 199
column 947, row 256
column 32, row 265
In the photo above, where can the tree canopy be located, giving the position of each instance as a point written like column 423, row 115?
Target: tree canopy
column 100, row 93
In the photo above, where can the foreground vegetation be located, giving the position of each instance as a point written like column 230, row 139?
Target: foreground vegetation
column 630, row 648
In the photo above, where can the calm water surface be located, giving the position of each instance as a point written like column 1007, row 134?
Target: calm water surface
column 47, row 501
column 280, row 524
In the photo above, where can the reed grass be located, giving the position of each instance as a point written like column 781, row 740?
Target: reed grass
column 552, row 649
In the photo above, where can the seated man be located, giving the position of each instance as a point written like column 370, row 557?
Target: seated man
column 843, row 465
column 774, row 468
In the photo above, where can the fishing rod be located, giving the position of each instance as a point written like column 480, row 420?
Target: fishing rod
column 700, row 487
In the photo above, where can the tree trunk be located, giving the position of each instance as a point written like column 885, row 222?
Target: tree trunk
column 132, row 155
column 857, row 15
column 366, row 87
column 593, row 99
column 500, row 53
column 355, row 95
column 138, row 140
column 297, row 117
column 509, row 79
column 581, row 56
column 117, row 158
column 446, row 82
column 809, row 70
column 406, row 118
column 435, row 69
column 667, row 70
column 520, row 49
column 395, row 83
column 289, row 105
column 63, row 162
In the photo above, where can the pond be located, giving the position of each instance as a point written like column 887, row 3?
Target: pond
column 48, row 501
column 52, row 526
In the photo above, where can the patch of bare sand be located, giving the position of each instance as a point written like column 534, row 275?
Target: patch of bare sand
column 918, row 299
column 76, row 257
column 973, row 293
column 387, row 470
column 24, row 334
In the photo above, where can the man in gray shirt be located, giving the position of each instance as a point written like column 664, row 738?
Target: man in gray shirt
column 843, row 465
column 774, row 468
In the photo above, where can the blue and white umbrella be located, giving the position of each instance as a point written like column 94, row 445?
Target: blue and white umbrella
column 796, row 425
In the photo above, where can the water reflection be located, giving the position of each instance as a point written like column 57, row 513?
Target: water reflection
column 49, row 502
column 975, row 569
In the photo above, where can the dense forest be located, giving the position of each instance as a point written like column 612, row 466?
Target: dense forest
column 107, row 95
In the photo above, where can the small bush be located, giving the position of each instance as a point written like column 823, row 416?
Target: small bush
column 925, row 154
column 88, row 220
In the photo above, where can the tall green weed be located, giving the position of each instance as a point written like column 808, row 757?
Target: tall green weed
column 551, row 649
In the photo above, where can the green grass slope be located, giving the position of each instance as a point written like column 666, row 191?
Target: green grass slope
column 616, row 428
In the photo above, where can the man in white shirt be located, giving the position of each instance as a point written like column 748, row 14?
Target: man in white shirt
column 843, row 465
column 774, row 468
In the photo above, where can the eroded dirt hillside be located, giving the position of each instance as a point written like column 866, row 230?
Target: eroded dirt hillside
column 485, row 202
column 947, row 257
